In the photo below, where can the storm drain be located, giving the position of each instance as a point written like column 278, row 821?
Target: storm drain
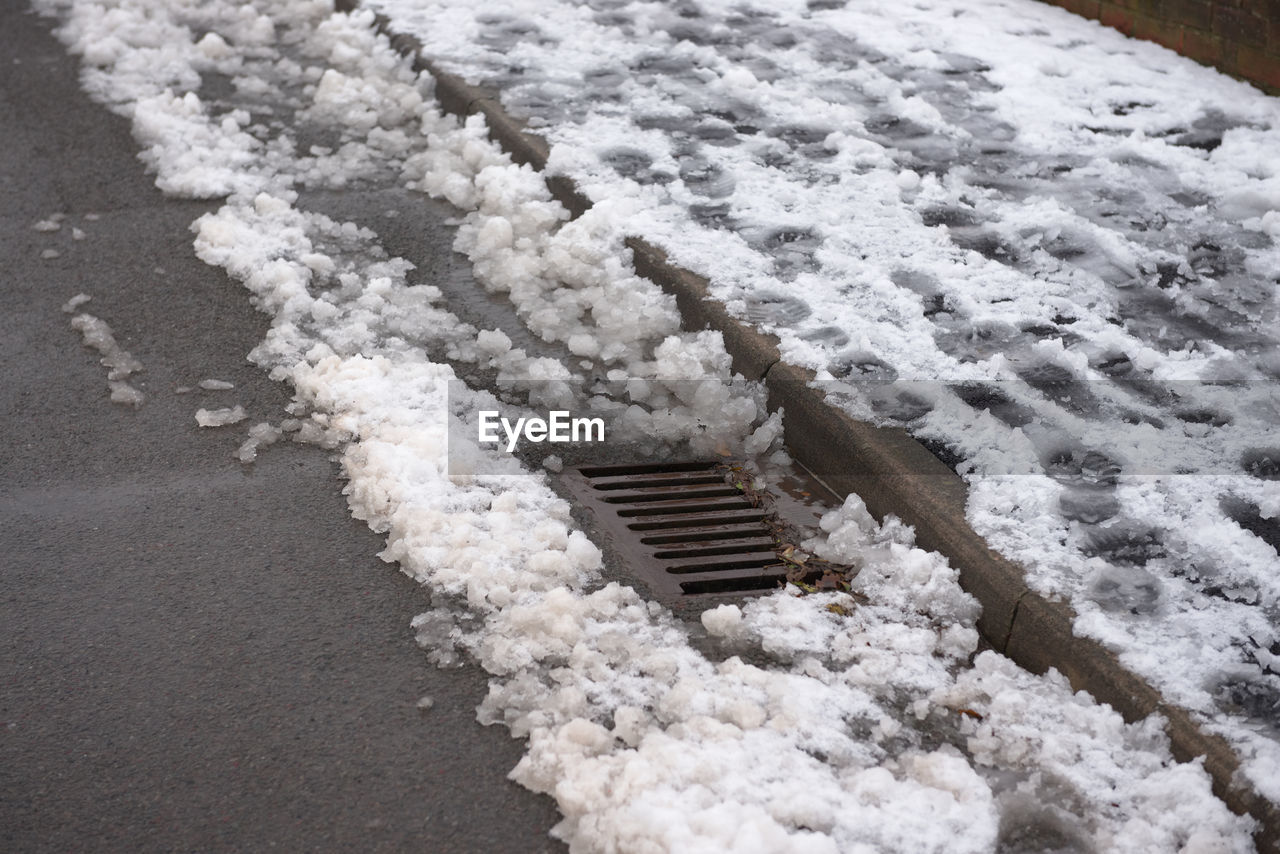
column 682, row 528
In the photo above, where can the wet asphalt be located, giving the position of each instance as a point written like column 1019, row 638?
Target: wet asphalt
column 197, row 654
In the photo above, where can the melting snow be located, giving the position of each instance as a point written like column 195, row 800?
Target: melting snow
column 70, row 306
column 1040, row 245
column 260, row 436
column 220, row 417
column 855, row 727
column 118, row 361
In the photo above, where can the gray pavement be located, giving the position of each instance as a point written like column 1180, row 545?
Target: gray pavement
column 196, row 655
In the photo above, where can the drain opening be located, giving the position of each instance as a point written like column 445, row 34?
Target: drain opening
column 688, row 530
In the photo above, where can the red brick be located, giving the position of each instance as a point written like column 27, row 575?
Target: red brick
column 1161, row 32
column 1197, row 14
column 1085, row 8
column 1259, row 66
column 1240, row 26
column 1202, row 47
column 1120, row 19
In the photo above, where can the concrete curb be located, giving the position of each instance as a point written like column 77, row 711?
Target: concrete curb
column 892, row 472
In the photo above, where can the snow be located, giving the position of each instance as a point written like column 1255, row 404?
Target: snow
column 220, row 417
column 71, row 305
column 722, row 620
column 825, row 722
column 120, row 364
column 261, row 435
column 1020, row 234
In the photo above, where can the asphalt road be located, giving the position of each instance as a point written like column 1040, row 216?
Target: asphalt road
column 196, row 654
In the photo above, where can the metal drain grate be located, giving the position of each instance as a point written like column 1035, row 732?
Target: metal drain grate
column 681, row 527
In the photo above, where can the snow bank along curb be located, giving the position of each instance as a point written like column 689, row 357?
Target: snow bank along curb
column 894, row 474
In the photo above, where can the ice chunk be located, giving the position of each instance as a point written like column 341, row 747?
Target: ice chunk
column 216, row 385
column 493, row 342
column 220, row 417
column 122, row 392
column 119, row 362
column 260, row 436
column 75, row 302
column 723, row 620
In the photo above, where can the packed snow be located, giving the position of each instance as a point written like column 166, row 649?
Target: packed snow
column 829, row 722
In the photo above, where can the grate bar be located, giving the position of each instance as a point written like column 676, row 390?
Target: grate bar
column 636, row 480
column 698, row 505
column 732, row 584
column 666, row 493
column 692, row 520
column 711, row 548
column 706, row 534
column 724, row 563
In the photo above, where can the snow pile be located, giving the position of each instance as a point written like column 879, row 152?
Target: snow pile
column 643, row 741
column 1067, row 752
column 828, row 724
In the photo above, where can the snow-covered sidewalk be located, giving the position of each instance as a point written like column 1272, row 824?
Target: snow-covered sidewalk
column 861, row 725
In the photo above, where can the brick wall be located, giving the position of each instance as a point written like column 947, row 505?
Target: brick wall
column 1240, row 37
